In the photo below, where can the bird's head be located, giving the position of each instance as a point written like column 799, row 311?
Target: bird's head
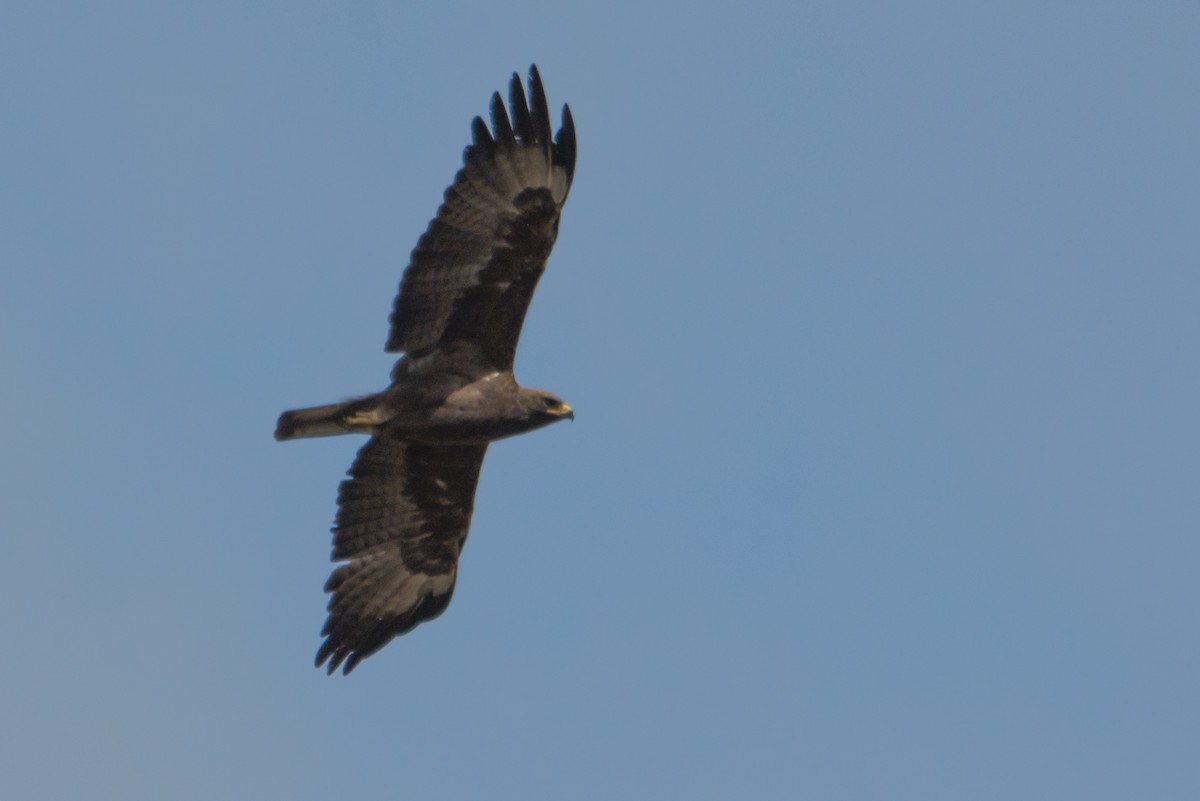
column 544, row 408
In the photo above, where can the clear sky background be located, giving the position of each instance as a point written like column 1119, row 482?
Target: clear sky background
column 880, row 321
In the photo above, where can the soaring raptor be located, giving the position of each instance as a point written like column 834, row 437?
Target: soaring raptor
column 404, row 511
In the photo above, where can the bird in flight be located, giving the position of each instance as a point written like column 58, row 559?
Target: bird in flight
column 404, row 511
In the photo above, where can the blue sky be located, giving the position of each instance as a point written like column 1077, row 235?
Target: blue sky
column 880, row 322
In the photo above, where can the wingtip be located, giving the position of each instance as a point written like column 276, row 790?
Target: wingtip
column 568, row 120
column 565, row 144
column 502, row 130
column 323, row 654
column 522, row 118
column 331, row 657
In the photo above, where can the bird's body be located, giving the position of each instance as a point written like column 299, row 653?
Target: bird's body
column 436, row 406
column 404, row 512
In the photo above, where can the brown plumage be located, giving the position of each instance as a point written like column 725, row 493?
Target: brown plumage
column 404, row 512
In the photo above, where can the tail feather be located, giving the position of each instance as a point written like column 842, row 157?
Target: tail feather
column 318, row 421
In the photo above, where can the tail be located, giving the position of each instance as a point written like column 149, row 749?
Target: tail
column 358, row 415
column 319, row 421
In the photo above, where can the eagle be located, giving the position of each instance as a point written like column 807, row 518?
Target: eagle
column 404, row 511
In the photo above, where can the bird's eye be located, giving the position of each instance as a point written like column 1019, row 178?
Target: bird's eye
column 551, row 403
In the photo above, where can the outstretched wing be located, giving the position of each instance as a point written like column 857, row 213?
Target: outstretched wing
column 401, row 524
column 473, row 273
